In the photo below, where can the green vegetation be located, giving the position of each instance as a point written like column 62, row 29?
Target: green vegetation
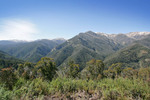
column 44, row 81
column 77, row 71
column 29, row 51
column 94, row 69
column 84, row 47
column 134, row 56
column 8, row 61
column 46, row 68
column 131, row 52
column 72, row 70
column 8, row 77
column 108, row 89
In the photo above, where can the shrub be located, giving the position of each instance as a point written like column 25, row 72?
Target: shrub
column 46, row 68
column 8, row 77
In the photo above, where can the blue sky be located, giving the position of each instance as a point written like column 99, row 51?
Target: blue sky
column 38, row 19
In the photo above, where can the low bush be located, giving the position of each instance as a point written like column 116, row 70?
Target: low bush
column 110, row 89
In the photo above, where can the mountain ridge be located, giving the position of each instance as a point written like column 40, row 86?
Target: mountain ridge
column 83, row 43
column 29, row 51
column 81, row 48
column 91, row 45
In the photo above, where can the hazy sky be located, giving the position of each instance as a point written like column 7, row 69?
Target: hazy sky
column 37, row 19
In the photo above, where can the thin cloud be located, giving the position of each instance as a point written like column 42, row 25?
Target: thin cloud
column 17, row 29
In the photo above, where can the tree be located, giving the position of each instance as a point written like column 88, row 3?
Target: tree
column 25, row 70
column 46, row 68
column 144, row 74
column 114, row 70
column 8, row 77
column 20, row 69
column 128, row 73
column 72, row 70
column 95, row 68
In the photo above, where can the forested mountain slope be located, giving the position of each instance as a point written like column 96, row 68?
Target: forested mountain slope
column 145, row 41
column 135, row 55
column 29, row 51
column 84, row 47
column 91, row 45
column 81, row 48
column 7, row 60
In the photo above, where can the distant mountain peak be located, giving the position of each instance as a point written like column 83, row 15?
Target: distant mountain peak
column 133, row 35
column 106, row 34
column 137, row 33
column 122, row 38
column 15, row 40
column 89, row 31
column 59, row 39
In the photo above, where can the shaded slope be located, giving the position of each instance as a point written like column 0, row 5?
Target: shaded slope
column 135, row 55
column 145, row 41
column 7, row 60
column 123, row 39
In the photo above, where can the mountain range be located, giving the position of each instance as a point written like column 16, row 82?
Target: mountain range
column 29, row 51
column 132, row 49
column 96, row 45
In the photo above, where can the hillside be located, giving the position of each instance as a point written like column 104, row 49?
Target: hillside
column 145, row 41
column 123, row 39
column 7, row 60
column 89, row 45
column 29, row 51
column 126, row 39
column 81, row 48
column 135, row 55
column 84, row 47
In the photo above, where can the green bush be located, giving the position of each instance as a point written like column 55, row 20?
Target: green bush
column 5, row 94
column 120, row 88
